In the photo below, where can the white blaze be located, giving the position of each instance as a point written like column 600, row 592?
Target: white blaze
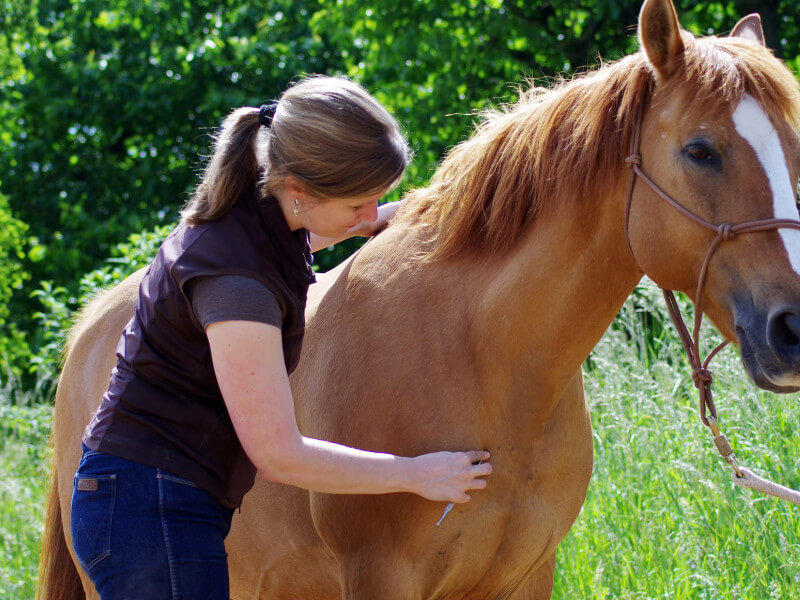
column 753, row 124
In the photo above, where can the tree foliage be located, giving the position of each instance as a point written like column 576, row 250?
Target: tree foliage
column 107, row 105
column 13, row 348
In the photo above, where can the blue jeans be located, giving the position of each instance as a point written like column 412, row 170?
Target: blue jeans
column 141, row 532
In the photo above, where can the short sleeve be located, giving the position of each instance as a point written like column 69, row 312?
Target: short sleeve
column 232, row 298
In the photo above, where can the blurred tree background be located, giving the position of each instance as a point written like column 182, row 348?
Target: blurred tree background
column 107, row 109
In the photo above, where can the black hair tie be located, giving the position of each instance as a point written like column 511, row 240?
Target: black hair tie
column 266, row 112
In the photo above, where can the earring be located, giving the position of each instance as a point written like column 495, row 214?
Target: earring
column 296, row 209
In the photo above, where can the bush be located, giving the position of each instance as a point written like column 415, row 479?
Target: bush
column 14, row 350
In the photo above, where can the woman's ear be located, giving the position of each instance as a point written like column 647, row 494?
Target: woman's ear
column 294, row 188
column 660, row 36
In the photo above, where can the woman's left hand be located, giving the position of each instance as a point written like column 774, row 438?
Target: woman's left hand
column 370, row 228
column 365, row 228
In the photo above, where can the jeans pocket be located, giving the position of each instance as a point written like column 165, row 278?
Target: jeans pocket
column 92, row 511
column 175, row 478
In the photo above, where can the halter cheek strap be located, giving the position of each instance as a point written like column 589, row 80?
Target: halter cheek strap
column 701, row 376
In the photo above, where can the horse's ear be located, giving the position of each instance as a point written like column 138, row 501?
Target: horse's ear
column 750, row 28
column 660, row 36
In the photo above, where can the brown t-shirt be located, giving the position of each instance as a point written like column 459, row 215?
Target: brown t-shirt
column 217, row 298
column 163, row 406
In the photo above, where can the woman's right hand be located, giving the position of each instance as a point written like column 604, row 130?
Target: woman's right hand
column 448, row 476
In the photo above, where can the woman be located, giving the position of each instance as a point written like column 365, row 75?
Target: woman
column 200, row 398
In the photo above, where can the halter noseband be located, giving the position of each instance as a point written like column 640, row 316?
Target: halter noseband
column 700, row 374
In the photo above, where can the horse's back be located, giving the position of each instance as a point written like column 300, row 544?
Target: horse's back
column 89, row 358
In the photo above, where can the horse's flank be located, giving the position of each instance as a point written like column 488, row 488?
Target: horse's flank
column 570, row 141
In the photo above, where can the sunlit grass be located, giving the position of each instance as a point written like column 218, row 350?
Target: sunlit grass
column 24, row 461
column 662, row 518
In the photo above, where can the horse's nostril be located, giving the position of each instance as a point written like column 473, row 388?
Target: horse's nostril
column 783, row 335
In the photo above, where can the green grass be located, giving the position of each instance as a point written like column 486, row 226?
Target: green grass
column 662, row 519
column 24, row 464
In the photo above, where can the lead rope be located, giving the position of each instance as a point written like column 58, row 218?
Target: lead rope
column 701, row 375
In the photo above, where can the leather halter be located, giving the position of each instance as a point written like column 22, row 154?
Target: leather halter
column 700, row 374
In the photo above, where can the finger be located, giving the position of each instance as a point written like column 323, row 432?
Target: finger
column 477, row 455
column 481, row 470
column 477, row 484
column 462, row 499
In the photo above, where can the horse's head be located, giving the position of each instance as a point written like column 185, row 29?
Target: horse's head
column 720, row 137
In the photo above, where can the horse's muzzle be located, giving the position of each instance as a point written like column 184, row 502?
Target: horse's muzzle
column 770, row 345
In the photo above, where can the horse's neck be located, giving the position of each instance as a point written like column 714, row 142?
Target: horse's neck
column 527, row 318
column 549, row 301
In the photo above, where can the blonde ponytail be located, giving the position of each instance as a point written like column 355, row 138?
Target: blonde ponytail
column 233, row 168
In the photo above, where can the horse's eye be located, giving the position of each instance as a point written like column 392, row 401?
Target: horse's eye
column 700, row 153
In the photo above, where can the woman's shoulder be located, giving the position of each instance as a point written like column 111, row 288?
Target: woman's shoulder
column 236, row 234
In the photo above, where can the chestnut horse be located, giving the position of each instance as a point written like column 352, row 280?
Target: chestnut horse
column 465, row 324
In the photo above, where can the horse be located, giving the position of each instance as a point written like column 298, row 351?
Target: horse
column 466, row 322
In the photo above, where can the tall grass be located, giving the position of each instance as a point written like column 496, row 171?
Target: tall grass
column 662, row 519
column 24, row 459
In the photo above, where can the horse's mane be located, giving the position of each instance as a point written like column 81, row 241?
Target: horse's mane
column 572, row 139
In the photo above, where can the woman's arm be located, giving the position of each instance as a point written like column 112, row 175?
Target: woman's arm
column 365, row 228
column 249, row 365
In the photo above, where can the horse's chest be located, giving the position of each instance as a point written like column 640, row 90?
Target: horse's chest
column 505, row 540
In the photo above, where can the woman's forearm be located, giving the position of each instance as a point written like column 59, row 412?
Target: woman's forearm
column 332, row 468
